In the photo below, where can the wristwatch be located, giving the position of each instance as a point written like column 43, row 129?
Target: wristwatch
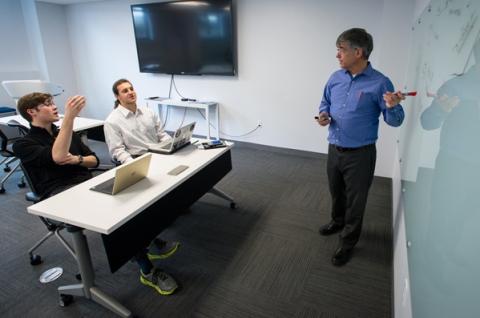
column 80, row 159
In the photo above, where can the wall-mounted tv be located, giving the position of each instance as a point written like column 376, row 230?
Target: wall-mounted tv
column 185, row 37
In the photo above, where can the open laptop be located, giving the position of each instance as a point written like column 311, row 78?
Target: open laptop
column 125, row 175
column 180, row 139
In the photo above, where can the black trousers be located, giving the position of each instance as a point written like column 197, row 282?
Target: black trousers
column 350, row 174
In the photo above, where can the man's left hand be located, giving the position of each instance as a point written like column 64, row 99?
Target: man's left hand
column 393, row 99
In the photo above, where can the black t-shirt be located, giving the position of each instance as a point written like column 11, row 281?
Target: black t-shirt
column 35, row 152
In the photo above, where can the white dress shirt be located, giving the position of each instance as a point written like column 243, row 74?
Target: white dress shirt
column 127, row 133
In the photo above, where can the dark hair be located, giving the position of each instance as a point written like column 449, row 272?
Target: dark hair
column 115, row 89
column 31, row 101
column 357, row 38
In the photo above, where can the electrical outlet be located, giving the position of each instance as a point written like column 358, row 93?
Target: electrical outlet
column 259, row 123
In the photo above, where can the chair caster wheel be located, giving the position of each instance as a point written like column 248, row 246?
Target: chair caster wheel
column 21, row 185
column 65, row 300
column 233, row 205
column 35, row 259
column 7, row 169
column 78, row 277
column 2, row 190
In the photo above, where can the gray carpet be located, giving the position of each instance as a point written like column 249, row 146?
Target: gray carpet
column 264, row 259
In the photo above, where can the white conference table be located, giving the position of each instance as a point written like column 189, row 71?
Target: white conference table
column 80, row 123
column 103, row 213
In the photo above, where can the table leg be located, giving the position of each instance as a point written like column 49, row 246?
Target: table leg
column 217, row 120
column 207, row 117
column 87, row 288
column 224, row 196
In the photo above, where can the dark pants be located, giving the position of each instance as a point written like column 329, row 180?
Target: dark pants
column 350, row 174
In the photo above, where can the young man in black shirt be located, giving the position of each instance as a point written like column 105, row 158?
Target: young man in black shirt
column 57, row 159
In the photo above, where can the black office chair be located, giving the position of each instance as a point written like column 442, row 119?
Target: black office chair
column 53, row 227
column 9, row 158
column 8, row 155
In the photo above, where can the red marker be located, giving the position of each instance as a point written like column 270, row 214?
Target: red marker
column 409, row 93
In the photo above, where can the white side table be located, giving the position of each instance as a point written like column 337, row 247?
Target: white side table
column 209, row 108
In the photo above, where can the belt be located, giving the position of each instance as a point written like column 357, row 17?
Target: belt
column 345, row 149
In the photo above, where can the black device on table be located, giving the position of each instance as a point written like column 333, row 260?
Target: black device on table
column 212, row 144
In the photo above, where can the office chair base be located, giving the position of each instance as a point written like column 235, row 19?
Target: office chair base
column 8, row 161
column 65, row 300
column 4, row 179
column 35, row 259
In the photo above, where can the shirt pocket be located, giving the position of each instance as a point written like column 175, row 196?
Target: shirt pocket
column 364, row 100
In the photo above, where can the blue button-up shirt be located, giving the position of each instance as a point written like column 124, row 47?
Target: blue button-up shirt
column 354, row 105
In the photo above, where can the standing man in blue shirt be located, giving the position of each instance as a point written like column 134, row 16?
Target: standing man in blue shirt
column 352, row 102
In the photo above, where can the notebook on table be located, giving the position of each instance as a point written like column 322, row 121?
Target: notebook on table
column 181, row 138
column 126, row 175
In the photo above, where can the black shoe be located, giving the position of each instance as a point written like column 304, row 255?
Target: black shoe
column 330, row 228
column 341, row 256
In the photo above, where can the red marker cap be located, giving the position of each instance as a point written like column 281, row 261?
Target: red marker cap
column 409, row 93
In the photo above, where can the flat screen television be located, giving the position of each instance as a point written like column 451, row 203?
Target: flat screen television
column 185, row 37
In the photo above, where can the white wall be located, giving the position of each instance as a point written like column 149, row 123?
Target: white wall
column 17, row 60
column 393, row 46
column 286, row 52
column 57, row 50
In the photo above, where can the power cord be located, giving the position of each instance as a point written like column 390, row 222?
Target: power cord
column 228, row 135
column 222, row 132
column 170, row 89
column 166, row 118
column 176, row 90
column 183, row 119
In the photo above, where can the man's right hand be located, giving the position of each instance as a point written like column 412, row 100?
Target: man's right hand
column 323, row 119
column 74, row 105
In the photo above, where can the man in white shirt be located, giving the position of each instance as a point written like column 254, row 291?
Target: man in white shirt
column 129, row 128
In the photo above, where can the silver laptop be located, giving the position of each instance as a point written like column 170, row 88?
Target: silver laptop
column 181, row 138
column 126, row 175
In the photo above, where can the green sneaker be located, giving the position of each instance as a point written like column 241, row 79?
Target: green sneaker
column 163, row 283
column 159, row 249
